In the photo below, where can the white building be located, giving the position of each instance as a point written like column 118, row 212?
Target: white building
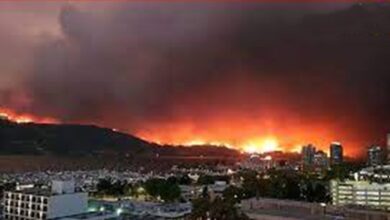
column 43, row 203
column 361, row 193
column 377, row 173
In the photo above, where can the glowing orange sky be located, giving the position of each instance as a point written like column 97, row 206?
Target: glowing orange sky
column 257, row 134
column 25, row 117
column 253, row 77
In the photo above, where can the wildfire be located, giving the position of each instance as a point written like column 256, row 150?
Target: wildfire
column 262, row 145
column 201, row 142
column 256, row 135
column 24, row 117
column 255, row 145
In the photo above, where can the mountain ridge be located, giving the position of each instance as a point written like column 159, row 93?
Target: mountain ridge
column 80, row 140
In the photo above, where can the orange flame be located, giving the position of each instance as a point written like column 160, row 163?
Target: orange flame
column 253, row 136
column 17, row 117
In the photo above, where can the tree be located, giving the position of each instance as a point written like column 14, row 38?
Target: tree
column 200, row 208
column 342, row 171
column 128, row 189
column 170, row 192
column 282, row 185
column 173, row 180
column 107, row 187
column 152, row 186
column 253, row 184
column 315, row 191
column 166, row 190
column 205, row 180
column 117, row 189
column 205, row 192
column 104, row 186
column 233, row 194
column 218, row 209
column 225, row 210
column 185, row 180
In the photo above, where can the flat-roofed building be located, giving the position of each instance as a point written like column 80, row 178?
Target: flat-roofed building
column 45, row 203
column 276, row 209
column 361, row 193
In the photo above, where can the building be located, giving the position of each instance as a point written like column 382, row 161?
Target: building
column 375, row 156
column 379, row 174
column 190, row 192
column 276, row 209
column 258, row 162
column 336, row 153
column 388, row 148
column 308, row 153
column 312, row 159
column 360, row 193
column 59, row 201
column 320, row 160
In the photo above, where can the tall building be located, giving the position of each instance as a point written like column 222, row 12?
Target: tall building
column 308, row 153
column 336, row 153
column 44, row 203
column 375, row 156
column 388, row 148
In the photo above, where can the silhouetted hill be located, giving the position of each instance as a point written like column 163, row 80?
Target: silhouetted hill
column 198, row 151
column 79, row 140
column 66, row 139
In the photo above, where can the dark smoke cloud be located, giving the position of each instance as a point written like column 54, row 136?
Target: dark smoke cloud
column 137, row 64
column 141, row 56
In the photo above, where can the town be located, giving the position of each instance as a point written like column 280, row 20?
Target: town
column 260, row 186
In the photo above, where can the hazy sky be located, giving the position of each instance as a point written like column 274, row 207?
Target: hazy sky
column 222, row 72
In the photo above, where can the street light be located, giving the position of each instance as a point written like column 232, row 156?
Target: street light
column 119, row 211
column 323, row 205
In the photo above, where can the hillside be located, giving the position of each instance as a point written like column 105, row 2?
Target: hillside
column 87, row 140
column 66, row 139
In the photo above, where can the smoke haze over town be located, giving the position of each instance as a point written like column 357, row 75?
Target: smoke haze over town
column 246, row 75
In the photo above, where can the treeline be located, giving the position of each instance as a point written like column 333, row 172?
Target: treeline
column 272, row 184
column 222, row 208
column 280, row 185
column 164, row 190
column 155, row 188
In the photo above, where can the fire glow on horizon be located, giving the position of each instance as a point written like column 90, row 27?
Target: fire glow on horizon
column 25, row 117
column 243, row 137
column 204, row 74
column 261, row 144
column 251, row 136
